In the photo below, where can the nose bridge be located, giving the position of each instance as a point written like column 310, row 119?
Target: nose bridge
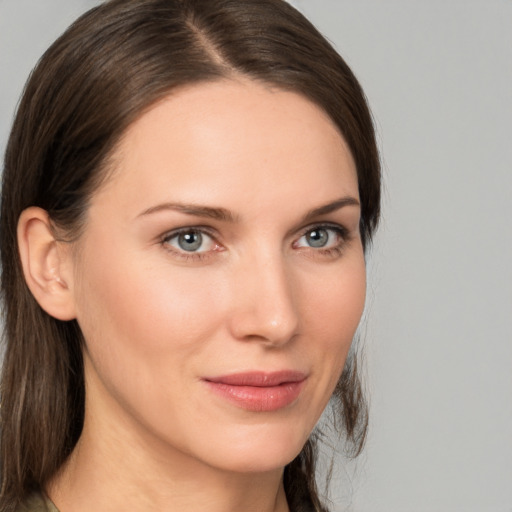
column 264, row 302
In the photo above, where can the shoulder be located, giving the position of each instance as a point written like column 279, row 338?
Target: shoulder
column 37, row 503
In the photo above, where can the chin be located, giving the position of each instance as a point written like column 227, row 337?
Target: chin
column 262, row 462
column 257, row 450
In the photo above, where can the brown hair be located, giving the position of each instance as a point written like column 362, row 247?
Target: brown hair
column 109, row 67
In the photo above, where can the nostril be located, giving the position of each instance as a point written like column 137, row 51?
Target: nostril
column 262, row 325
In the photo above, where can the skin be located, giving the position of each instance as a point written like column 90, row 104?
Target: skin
column 157, row 319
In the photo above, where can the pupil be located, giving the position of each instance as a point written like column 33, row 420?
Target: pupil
column 317, row 238
column 190, row 241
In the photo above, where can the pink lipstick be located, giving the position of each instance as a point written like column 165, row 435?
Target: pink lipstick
column 259, row 391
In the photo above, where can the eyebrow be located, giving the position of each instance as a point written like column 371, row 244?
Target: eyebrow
column 193, row 209
column 222, row 214
column 330, row 207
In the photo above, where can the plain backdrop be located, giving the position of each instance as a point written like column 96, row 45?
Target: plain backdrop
column 438, row 334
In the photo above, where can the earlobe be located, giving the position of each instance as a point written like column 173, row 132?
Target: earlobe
column 46, row 264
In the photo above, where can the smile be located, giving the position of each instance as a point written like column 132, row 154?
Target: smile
column 259, row 391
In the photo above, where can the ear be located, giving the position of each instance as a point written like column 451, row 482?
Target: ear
column 46, row 264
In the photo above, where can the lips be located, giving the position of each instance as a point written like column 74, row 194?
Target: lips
column 259, row 391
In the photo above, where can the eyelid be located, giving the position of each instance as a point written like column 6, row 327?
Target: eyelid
column 339, row 228
column 187, row 229
column 341, row 231
column 166, row 237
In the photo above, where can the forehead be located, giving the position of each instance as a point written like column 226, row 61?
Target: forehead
column 215, row 141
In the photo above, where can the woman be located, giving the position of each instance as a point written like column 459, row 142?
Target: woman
column 189, row 188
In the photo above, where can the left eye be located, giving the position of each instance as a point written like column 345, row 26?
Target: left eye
column 191, row 240
column 319, row 238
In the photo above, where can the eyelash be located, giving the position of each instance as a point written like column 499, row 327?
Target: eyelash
column 340, row 232
column 189, row 256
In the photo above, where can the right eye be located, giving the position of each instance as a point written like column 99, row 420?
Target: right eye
column 190, row 240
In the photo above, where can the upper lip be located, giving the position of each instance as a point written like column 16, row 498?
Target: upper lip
column 259, row 378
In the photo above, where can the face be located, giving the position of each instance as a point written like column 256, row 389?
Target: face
column 220, row 277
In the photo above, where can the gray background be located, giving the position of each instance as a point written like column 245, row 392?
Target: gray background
column 439, row 330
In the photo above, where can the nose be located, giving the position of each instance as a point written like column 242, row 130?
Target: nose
column 264, row 303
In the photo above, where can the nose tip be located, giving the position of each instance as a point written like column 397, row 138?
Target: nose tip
column 271, row 327
column 265, row 308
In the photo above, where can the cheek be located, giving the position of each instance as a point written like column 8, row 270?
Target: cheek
column 145, row 328
column 334, row 310
column 338, row 302
column 146, row 307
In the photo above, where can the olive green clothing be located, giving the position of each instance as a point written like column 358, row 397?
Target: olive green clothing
column 37, row 503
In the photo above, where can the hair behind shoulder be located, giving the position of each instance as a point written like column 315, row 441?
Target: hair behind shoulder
column 108, row 68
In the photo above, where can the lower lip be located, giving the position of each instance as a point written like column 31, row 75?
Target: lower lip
column 259, row 399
